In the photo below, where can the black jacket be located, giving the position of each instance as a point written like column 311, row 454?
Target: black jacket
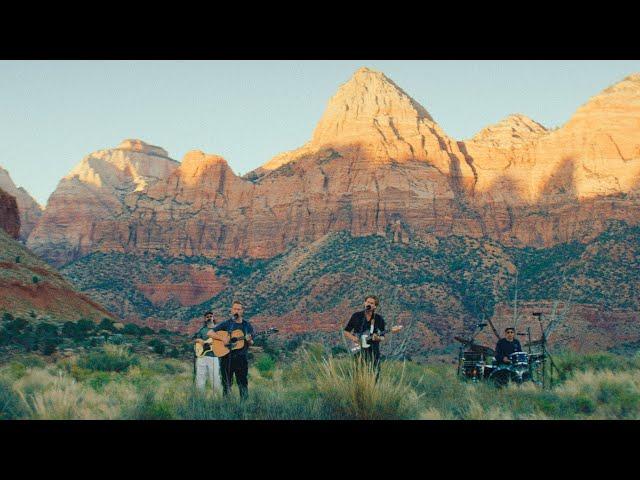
column 504, row 348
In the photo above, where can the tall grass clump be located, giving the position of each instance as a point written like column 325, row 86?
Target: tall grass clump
column 11, row 407
column 600, row 395
column 65, row 399
column 348, row 390
column 570, row 363
column 109, row 358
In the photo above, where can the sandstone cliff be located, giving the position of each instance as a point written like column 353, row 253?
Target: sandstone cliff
column 89, row 203
column 30, row 210
column 377, row 164
column 9, row 216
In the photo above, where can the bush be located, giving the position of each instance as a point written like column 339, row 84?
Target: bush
column 35, row 279
column 149, row 407
column 158, row 346
column 16, row 326
column 110, row 358
column 7, row 317
column 11, row 407
column 106, row 324
column 265, row 363
column 132, row 329
column 49, row 338
column 78, row 330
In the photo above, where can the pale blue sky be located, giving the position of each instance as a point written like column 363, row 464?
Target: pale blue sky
column 53, row 113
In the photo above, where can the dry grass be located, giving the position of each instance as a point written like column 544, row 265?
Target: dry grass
column 350, row 390
column 314, row 386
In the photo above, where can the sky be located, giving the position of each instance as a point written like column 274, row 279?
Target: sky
column 53, row 113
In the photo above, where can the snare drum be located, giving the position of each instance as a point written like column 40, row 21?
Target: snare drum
column 519, row 359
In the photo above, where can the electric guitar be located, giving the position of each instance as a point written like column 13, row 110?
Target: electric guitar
column 366, row 337
column 223, row 342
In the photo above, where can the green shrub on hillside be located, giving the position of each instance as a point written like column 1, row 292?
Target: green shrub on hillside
column 110, row 358
column 265, row 363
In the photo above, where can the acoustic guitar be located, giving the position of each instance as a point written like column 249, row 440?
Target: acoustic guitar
column 224, row 342
column 366, row 337
column 202, row 348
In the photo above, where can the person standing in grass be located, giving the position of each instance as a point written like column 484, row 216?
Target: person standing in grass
column 365, row 322
column 235, row 363
column 207, row 366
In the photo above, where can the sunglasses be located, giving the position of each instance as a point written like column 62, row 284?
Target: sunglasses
column 511, row 331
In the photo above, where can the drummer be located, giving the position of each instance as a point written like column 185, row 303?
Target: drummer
column 506, row 346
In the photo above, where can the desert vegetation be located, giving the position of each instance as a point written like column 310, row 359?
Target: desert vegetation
column 113, row 382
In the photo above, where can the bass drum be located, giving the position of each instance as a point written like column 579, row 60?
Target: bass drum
column 505, row 375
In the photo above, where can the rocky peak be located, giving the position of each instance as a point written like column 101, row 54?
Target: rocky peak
column 620, row 99
column 629, row 83
column 513, row 130
column 30, row 210
column 132, row 165
column 197, row 166
column 362, row 106
column 135, row 145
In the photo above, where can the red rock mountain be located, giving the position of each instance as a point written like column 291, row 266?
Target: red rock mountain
column 88, row 205
column 9, row 216
column 30, row 210
column 377, row 163
column 30, row 288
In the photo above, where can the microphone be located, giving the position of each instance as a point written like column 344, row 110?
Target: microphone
column 235, row 315
column 368, row 307
column 481, row 325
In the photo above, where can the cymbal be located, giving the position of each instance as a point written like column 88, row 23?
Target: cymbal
column 474, row 346
column 533, row 343
column 482, row 349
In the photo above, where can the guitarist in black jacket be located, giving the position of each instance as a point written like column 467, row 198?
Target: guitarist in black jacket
column 235, row 362
column 367, row 321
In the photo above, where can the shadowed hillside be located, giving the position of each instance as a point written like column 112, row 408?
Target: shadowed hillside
column 31, row 288
column 436, row 286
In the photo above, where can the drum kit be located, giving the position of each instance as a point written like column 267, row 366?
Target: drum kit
column 477, row 362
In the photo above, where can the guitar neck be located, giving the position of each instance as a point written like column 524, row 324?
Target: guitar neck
column 381, row 333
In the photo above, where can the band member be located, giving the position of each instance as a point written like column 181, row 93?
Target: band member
column 207, row 366
column 235, row 362
column 367, row 321
column 506, row 346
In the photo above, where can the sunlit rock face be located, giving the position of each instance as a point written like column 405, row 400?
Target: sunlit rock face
column 30, row 211
column 87, row 209
column 541, row 187
column 376, row 164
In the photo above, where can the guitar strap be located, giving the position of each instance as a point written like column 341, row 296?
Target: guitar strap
column 364, row 322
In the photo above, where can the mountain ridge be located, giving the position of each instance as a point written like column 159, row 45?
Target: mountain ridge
column 376, row 164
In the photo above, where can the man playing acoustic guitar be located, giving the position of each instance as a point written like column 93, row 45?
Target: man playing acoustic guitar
column 367, row 322
column 235, row 362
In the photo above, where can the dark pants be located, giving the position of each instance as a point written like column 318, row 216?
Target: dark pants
column 238, row 366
